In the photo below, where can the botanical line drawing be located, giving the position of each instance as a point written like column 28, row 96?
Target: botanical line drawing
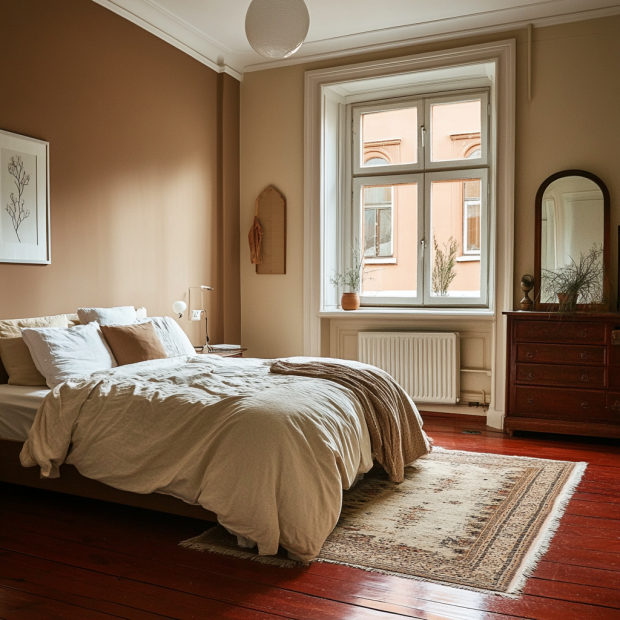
column 16, row 207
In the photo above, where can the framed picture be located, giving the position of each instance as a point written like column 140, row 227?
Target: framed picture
column 24, row 200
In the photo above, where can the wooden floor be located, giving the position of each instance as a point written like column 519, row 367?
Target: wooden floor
column 63, row 557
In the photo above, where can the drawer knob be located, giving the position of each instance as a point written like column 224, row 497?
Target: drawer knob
column 530, row 375
column 584, row 405
column 530, row 401
column 582, row 333
column 616, row 406
column 584, row 377
column 584, row 355
column 530, row 354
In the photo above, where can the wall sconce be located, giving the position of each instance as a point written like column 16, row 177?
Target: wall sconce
column 179, row 307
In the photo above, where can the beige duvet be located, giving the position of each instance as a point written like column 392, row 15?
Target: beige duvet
column 269, row 454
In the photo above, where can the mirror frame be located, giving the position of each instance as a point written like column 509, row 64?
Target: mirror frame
column 538, row 233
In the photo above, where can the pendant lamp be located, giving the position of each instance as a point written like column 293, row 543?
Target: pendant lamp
column 277, row 28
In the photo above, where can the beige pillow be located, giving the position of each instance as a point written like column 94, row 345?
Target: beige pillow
column 131, row 344
column 73, row 319
column 18, row 363
column 11, row 328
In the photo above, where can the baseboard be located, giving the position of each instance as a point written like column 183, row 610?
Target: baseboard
column 495, row 418
column 455, row 416
column 455, row 409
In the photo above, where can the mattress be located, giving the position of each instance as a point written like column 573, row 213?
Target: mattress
column 18, row 407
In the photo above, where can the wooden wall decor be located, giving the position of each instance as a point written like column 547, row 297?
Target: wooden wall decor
column 272, row 218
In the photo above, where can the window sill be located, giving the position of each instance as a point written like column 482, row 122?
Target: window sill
column 420, row 313
column 468, row 259
column 380, row 261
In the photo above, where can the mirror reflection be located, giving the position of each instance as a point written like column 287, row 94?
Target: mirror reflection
column 572, row 227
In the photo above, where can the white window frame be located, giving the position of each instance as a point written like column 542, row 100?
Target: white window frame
column 357, row 231
column 469, row 95
column 356, row 112
column 457, row 175
column 323, row 194
column 456, row 169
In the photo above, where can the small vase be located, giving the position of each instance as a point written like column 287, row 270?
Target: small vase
column 350, row 301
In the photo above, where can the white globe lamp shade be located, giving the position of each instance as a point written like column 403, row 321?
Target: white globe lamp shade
column 277, row 28
column 179, row 307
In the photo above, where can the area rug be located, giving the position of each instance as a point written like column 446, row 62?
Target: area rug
column 464, row 519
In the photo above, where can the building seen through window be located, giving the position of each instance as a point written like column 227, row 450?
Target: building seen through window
column 446, row 206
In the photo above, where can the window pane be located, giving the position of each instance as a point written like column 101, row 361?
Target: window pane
column 390, row 216
column 390, row 138
column 455, row 130
column 472, row 227
column 456, row 238
column 385, row 232
column 370, row 232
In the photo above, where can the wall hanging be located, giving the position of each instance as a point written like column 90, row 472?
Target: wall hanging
column 24, row 200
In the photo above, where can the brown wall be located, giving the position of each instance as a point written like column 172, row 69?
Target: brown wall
column 572, row 122
column 143, row 165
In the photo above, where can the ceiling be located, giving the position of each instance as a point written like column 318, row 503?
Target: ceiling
column 213, row 31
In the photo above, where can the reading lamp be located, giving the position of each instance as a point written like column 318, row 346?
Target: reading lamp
column 180, row 306
column 206, row 344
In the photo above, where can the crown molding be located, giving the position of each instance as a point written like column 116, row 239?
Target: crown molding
column 162, row 23
column 154, row 19
column 420, row 33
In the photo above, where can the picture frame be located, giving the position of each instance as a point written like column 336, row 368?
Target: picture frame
column 24, row 200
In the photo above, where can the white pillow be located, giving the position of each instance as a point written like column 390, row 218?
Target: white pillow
column 60, row 354
column 122, row 315
column 174, row 339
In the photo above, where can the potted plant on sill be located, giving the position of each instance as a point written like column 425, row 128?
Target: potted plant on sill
column 351, row 279
column 576, row 283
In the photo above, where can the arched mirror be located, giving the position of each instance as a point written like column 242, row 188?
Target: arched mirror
column 572, row 242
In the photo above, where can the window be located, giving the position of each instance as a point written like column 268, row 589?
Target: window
column 419, row 211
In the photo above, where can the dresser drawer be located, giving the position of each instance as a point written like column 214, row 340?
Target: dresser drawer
column 560, row 331
column 568, row 376
column 614, row 351
column 613, row 406
column 584, row 355
column 558, row 403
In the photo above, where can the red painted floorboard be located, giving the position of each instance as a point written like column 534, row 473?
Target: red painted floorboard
column 64, row 557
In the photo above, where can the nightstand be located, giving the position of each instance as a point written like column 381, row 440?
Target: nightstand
column 229, row 353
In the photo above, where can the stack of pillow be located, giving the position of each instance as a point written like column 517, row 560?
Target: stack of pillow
column 49, row 350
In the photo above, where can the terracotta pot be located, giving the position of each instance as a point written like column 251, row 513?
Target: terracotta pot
column 567, row 300
column 350, row 301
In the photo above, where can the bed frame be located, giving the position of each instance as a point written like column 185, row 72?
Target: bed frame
column 73, row 483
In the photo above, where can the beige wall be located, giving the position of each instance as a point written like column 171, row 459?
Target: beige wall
column 143, row 142
column 570, row 123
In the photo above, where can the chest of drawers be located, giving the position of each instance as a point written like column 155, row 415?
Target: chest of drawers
column 563, row 373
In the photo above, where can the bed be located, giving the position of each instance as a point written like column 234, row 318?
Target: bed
column 18, row 408
column 200, row 436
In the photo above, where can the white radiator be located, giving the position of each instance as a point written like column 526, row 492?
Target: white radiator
column 426, row 365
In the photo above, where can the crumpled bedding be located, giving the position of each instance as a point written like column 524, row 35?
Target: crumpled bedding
column 269, row 454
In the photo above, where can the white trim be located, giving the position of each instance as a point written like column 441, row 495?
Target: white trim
column 503, row 54
column 407, row 39
column 487, row 240
column 406, row 312
column 173, row 30
column 162, row 23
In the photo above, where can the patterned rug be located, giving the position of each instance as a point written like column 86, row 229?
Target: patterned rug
column 469, row 520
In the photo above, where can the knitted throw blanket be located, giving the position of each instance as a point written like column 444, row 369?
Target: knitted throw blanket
column 394, row 425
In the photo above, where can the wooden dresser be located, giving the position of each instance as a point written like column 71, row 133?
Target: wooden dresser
column 563, row 373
